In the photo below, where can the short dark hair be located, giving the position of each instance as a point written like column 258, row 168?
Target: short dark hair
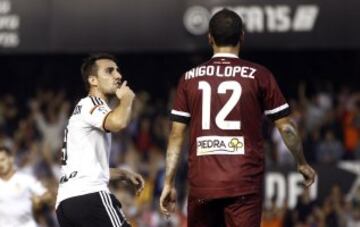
column 226, row 27
column 6, row 150
column 89, row 67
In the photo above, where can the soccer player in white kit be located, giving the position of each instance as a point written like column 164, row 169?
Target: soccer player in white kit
column 83, row 197
column 18, row 192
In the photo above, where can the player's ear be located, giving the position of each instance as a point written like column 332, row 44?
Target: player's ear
column 242, row 37
column 93, row 81
column 210, row 39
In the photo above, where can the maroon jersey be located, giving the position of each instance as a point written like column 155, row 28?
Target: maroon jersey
column 223, row 101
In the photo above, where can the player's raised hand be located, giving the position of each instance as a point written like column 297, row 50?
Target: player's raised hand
column 308, row 173
column 124, row 92
column 168, row 200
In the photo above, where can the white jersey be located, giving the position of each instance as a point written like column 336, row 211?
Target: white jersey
column 86, row 150
column 15, row 200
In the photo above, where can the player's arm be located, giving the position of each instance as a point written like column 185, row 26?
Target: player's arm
column 293, row 142
column 45, row 199
column 119, row 117
column 168, row 195
column 176, row 139
column 128, row 175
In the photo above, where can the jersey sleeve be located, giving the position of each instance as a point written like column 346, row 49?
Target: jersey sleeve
column 96, row 113
column 180, row 111
column 273, row 101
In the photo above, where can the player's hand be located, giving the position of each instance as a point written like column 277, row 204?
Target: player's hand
column 124, row 92
column 168, row 200
column 308, row 173
column 133, row 178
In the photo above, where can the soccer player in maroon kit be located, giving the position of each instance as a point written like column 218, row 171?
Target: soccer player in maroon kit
column 223, row 102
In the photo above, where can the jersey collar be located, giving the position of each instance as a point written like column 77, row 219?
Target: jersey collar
column 225, row 55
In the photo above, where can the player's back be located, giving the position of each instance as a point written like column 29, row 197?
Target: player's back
column 224, row 101
column 85, row 153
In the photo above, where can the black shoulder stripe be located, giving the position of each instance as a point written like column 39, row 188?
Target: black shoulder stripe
column 93, row 101
column 99, row 101
column 96, row 100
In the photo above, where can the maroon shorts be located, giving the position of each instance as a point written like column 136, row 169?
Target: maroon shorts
column 240, row 211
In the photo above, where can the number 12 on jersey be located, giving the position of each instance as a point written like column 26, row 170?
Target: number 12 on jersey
column 207, row 96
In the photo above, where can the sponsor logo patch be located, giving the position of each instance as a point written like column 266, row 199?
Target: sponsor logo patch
column 220, row 145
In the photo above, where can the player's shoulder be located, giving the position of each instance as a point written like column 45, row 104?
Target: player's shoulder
column 89, row 102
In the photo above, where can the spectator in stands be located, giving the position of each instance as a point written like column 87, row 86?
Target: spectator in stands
column 351, row 127
column 9, row 114
column 51, row 125
column 314, row 109
column 330, row 149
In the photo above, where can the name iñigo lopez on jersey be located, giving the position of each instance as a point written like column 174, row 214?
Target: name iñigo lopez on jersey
column 228, row 71
column 216, row 145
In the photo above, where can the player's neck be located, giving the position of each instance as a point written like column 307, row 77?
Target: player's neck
column 226, row 50
column 7, row 175
column 96, row 93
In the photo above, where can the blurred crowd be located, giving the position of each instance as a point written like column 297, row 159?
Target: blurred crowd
column 329, row 122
